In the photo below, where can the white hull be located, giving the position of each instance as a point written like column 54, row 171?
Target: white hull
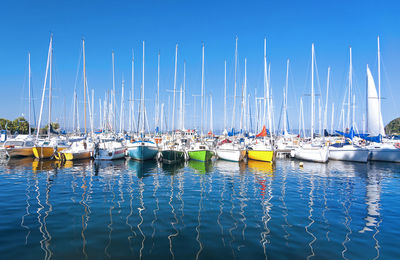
column 352, row 154
column 313, row 154
column 231, row 154
column 386, row 154
column 116, row 154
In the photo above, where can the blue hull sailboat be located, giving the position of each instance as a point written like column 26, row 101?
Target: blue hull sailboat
column 143, row 150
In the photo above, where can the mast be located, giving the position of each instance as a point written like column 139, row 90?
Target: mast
column 285, row 99
column 202, row 89
column 349, row 92
column 379, row 85
column 133, row 93
column 100, row 115
column 29, row 90
column 173, row 101
column 113, row 95
column 245, row 96
column 50, row 90
column 84, row 81
column 312, row 92
column 142, row 101
column 184, row 95
column 181, row 108
column 225, row 98
column 326, row 101
column 158, row 92
column 121, row 113
column 44, row 89
column 332, row 116
column 234, row 93
column 211, row 115
column 265, row 85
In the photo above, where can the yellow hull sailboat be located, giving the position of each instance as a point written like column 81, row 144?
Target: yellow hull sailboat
column 77, row 151
column 261, row 155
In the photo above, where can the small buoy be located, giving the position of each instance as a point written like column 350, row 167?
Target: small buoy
column 301, row 164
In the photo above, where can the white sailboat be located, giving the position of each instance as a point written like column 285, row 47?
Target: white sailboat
column 347, row 151
column 312, row 151
column 385, row 151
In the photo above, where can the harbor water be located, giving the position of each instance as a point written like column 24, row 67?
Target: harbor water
column 217, row 210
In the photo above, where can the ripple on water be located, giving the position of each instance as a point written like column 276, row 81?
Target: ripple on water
column 223, row 209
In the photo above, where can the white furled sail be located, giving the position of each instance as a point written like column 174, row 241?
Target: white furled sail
column 374, row 114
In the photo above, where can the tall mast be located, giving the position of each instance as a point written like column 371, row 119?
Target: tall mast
column 211, row 114
column 113, row 123
column 121, row 113
column 158, row 93
column 225, row 98
column 184, row 95
column 84, row 82
column 349, row 93
column 326, row 101
column 143, row 107
column 173, row 101
column 266, row 100
column 285, row 99
column 312, row 92
column 50, row 89
column 202, row 89
column 133, row 93
column 245, row 96
column 181, row 108
column 332, row 116
column 234, row 93
column 29, row 90
column 379, row 85
column 269, row 91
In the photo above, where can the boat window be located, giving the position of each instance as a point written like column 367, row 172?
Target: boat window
column 14, row 143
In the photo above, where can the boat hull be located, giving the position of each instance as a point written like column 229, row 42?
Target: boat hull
column 110, row 155
column 142, row 153
column 265, row 156
column 385, row 154
column 352, row 155
column 19, row 152
column 201, row 155
column 320, row 155
column 45, row 152
column 172, row 156
column 231, row 155
column 71, row 156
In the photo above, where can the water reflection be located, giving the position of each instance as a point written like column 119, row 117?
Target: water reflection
column 372, row 200
column 236, row 209
column 27, row 213
column 173, row 168
column 259, row 167
column 142, row 168
column 201, row 167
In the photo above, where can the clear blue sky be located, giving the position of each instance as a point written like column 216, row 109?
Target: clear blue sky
column 290, row 28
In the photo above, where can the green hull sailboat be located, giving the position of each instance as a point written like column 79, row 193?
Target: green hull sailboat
column 201, row 155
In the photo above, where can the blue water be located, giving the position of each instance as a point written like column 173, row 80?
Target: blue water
column 221, row 210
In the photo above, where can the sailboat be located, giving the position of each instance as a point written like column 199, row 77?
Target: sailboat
column 173, row 151
column 45, row 149
column 200, row 151
column 21, row 145
column 82, row 149
column 315, row 152
column 346, row 151
column 381, row 149
column 231, row 151
column 143, row 148
column 263, row 150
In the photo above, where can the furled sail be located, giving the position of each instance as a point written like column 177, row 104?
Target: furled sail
column 374, row 114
